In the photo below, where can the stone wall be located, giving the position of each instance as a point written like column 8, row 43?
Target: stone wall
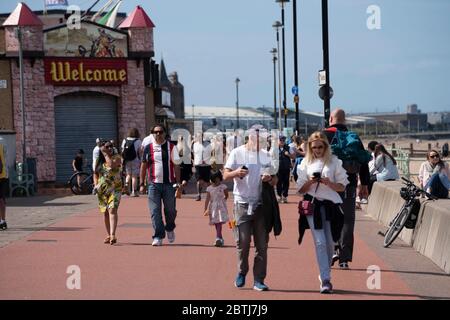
column 33, row 39
column 40, row 111
column 140, row 39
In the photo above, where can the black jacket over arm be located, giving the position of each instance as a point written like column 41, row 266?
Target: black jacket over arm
column 270, row 209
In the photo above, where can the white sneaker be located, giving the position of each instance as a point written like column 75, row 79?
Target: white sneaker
column 171, row 236
column 364, row 201
column 157, row 242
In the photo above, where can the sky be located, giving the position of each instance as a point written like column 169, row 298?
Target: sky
column 211, row 42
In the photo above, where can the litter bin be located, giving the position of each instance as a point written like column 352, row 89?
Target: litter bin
column 32, row 169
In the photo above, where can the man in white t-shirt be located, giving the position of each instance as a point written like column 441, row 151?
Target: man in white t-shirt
column 131, row 155
column 202, row 161
column 233, row 141
column 96, row 153
column 248, row 166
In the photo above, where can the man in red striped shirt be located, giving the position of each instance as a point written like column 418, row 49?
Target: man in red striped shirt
column 160, row 161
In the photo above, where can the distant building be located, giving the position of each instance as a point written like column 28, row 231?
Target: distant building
column 439, row 118
column 413, row 119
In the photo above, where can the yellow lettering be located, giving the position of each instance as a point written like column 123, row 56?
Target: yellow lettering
column 67, row 65
column 110, row 75
column 75, row 75
column 97, row 75
column 54, row 73
column 61, row 72
column 122, row 75
column 88, row 75
column 81, row 72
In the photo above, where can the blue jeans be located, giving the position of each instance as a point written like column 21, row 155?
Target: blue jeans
column 324, row 243
column 166, row 193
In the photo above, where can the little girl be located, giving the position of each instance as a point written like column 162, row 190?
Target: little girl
column 215, row 205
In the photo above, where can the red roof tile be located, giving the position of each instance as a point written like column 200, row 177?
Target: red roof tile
column 137, row 19
column 22, row 16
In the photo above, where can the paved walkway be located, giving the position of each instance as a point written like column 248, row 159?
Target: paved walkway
column 71, row 233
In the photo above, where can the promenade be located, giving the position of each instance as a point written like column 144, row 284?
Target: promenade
column 48, row 235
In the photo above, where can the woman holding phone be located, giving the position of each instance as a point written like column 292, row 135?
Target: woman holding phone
column 320, row 178
column 108, row 184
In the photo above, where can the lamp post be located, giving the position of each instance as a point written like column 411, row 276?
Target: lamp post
column 326, row 63
column 237, row 102
column 22, row 103
column 282, row 2
column 277, row 25
column 274, row 59
column 297, row 113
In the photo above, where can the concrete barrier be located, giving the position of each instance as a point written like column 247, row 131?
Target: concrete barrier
column 431, row 236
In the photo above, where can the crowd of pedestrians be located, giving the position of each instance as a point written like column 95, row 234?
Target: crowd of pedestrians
column 260, row 167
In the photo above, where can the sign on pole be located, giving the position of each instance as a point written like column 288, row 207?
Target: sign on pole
column 322, row 77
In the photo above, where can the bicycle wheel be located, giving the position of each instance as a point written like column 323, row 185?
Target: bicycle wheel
column 87, row 184
column 397, row 225
column 76, row 183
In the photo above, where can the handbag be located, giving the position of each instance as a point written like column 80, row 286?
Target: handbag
column 307, row 207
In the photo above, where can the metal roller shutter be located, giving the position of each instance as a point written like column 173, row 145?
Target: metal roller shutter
column 80, row 119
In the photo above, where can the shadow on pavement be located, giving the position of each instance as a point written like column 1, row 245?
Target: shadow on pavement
column 58, row 229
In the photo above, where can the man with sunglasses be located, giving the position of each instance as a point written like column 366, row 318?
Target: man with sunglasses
column 160, row 160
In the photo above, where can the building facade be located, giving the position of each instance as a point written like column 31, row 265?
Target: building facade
column 79, row 84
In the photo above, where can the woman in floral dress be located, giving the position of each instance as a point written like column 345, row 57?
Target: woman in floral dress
column 108, row 185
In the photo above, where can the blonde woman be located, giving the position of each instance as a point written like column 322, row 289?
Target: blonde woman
column 320, row 178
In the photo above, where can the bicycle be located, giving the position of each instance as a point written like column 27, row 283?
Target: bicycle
column 406, row 215
column 86, row 185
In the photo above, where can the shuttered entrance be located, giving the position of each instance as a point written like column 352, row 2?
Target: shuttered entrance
column 80, row 119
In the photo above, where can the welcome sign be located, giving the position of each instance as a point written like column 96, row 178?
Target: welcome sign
column 85, row 72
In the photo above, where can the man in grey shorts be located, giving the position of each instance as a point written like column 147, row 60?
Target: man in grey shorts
column 249, row 165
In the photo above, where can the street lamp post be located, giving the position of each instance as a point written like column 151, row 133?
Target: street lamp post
column 282, row 2
column 274, row 59
column 22, row 103
column 277, row 25
column 237, row 102
column 297, row 113
column 326, row 63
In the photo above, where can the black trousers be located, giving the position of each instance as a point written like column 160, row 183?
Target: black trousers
column 283, row 183
column 346, row 241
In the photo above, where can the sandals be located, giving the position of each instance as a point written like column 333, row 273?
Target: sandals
column 107, row 240
column 113, row 240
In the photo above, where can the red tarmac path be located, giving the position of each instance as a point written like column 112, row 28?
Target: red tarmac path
column 191, row 268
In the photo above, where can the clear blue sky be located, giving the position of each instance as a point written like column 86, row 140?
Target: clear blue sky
column 211, row 42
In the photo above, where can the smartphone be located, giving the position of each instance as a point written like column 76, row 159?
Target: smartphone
column 245, row 168
column 316, row 175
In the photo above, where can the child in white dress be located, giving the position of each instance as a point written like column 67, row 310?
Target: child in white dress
column 215, row 205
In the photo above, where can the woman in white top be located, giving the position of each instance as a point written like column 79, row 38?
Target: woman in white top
column 434, row 169
column 320, row 178
column 384, row 168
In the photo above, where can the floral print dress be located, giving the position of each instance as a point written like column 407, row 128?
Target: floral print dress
column 109, row 187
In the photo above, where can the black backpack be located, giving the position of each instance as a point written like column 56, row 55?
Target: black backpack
column 129, row 152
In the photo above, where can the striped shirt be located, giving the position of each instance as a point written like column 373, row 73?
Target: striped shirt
column 160, row 159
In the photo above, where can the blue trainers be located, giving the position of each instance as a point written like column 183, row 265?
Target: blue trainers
column 240, row 281
column 260, row 286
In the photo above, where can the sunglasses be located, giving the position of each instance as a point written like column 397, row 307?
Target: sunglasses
column 158, row 132
column 319, row 147
column 434, row 156
column 108, row 146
